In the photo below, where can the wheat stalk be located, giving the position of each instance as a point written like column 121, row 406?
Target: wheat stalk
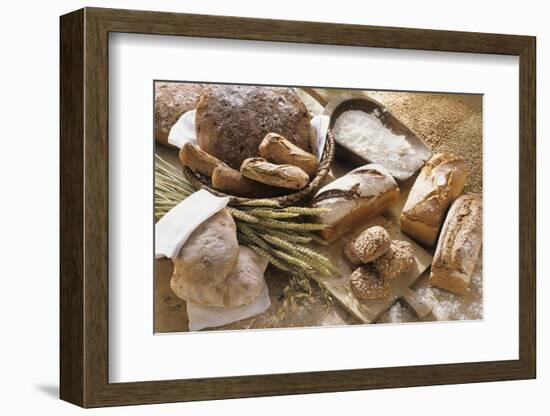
column 279, row 234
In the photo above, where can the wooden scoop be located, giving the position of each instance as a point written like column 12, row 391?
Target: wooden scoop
column 337, row 104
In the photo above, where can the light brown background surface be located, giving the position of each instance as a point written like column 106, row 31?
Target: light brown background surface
column 447, row 122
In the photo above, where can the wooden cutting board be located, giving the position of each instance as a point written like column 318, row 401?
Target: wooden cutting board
column 368, row 311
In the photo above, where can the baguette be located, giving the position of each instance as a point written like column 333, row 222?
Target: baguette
column 351, row 199
column 275, row 148
column 282, row 176
column 198, row 160
column 232, row 182
column 459, row 245
column 440, row 181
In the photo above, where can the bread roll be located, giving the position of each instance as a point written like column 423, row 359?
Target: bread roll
column 198, row 160
column 241, row 287
column 351, row 199
column 371, row 244
column 459, row 245
column 397, row 259
column 282, row 176
column 440, row 181
column 205, row 261
column 232, row 121
column 232, row 182
column 172, row 100
column 275, row 148
column 367, row 284
column 350, row 255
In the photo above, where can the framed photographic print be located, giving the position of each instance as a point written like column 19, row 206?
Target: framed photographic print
column 256, row 207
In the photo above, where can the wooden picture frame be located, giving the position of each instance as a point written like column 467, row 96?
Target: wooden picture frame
column 84, row 207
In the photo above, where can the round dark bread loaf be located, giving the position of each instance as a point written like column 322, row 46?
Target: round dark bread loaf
column 172, row 99
column 232, row 121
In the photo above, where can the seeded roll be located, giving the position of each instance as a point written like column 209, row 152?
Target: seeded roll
column 367, row 283
column 397, row 259
column 350, row 255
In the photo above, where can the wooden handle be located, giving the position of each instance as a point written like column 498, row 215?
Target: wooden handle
column 318, row 95
column 421, row 306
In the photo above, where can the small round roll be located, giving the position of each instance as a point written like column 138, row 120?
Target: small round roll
column 367, row 283
column 398, row 259
column 372, row 243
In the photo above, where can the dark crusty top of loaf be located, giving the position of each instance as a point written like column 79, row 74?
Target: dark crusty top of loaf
column 172, row 99
column 231, row 121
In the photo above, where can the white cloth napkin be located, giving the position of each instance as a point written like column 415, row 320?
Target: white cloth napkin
column 183, row 131
column 201, row 316
column 171, row 233
column 320, row 126
column 173, row 230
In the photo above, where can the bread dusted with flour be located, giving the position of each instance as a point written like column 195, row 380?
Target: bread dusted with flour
column 440, row 181
column 459, row 245
column 205, row 261
column 232, row 121
column 172, row 100
column 361, row 194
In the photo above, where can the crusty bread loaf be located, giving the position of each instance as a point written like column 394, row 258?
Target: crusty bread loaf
column 275, row 148
column 205, row 261
column 198, row 160
column 440, row 181
column 353, row 198
column 282, row 176
column 172, row 100
column 231, row 121
column 246, row 281
column 232, row 182
column 459, row 245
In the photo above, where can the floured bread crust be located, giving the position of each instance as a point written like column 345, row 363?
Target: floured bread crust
column 459, row 245
column 206, row 260
column 172, row 100
column 232, row 121
column 245, row 283
column 440, row 181
column 351, row 199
